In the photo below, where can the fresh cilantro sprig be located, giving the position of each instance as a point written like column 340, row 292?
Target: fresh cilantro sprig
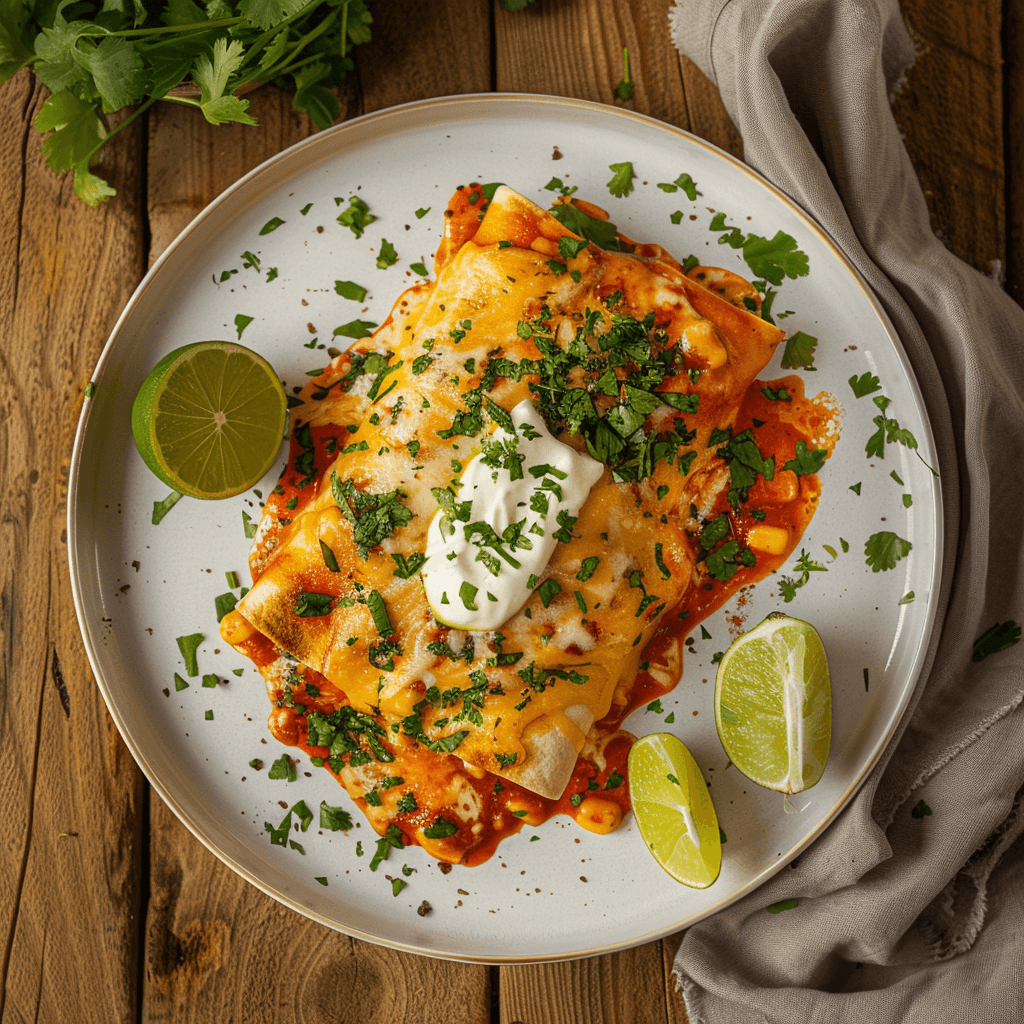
column 111, row 56
column 805, row 565
column 889, row 431
column 771, row 258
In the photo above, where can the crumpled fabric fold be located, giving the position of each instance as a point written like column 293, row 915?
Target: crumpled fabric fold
column 900, row 918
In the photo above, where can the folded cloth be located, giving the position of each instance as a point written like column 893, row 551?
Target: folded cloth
column 900, row 916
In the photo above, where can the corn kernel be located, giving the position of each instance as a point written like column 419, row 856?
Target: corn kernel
column 772, row 540
column 596, row 814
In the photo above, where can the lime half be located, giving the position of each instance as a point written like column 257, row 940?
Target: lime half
column 673, row 810
column 209, row 419
column 773, row 704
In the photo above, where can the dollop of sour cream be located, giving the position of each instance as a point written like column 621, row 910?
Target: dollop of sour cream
column 487, row 549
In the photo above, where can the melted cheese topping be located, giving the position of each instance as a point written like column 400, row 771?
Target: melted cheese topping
column 335, row 580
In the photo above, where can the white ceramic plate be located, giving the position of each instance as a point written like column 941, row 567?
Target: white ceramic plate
column 138, row 586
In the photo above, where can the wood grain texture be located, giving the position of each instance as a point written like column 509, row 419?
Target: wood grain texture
column 1013, row 91
column 416, row 53
column 620, row 988
column 71, row 790
column 956, row 82
column 219, row 950
column 190, row 162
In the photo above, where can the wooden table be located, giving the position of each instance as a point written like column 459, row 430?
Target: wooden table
column 110, row 910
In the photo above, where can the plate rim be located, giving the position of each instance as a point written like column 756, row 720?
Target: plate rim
column 326, row 139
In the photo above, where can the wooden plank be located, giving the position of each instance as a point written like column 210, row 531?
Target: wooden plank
column 673, row 999
column 190, row 162
column 626, row 987
column 213, row 942
column 70, row 864
column 415, row 54
column 219, row 950
column 1013, row 91
column 575, row 49
column 956, row 83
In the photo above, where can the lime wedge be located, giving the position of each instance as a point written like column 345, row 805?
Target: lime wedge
column 773, row 704
column 673, row 810
column 209, row 419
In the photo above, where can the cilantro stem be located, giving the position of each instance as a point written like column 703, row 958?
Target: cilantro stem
column 285, row 68
column 194, row 26
column 141, row 108
column 274, row 30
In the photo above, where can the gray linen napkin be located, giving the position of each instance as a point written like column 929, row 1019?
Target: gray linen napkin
column 898, row 918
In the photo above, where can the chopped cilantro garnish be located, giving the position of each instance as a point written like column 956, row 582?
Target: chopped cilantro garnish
column 807, row 462
column 241, row 322
column 622, row 183
column 272, row 225
column 407, row 568
column 161, row 508
column 328, row 556
column 356, row 217
column 188, row 645
column 548, row 591
column 996, row 638
column 441, row 829
column 355, row 329
column 805, row 565
column 283, row 768
column 374, row 516
column 350, row 290
column 311, row 605
column 387, row 257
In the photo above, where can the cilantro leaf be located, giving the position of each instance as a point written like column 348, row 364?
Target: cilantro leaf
column 350, row 290
column 799, row 352
column 388, row 257
column 884, row 549
column 283, row 768
column 75, row 139
column 688, row 185
column 622, row 183
column 807, row 462
column 601, row 232
column 865, row 384
column 265, row 13
column 356, row 217
column 189, row 645
column 334, row 819
column 355, row 329
column 212, row 78
column 775, row 258
column 996, row 638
